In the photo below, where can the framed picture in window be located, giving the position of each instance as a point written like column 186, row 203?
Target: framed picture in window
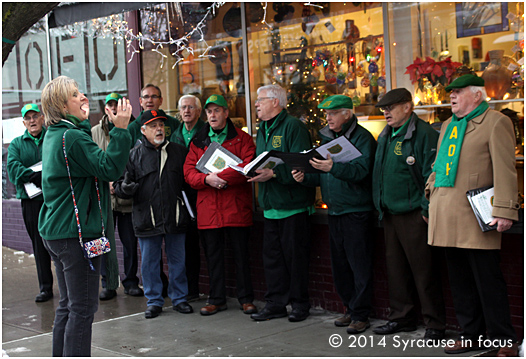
column 479, row 18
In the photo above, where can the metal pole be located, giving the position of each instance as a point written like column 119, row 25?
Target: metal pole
column 387, row 47
column 245, row 68
column 48, row 44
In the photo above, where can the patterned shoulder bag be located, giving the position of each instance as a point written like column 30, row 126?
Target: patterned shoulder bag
column 97, row 246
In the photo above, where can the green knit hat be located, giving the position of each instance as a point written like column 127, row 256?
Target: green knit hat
column 216, row 99
column 113, row 96
column 465, row 81
column 29, row 107
column 336, row 102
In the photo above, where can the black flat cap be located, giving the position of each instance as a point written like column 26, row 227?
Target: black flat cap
column 395, row 96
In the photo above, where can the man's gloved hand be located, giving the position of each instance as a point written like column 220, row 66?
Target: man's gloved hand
column 128, row 187
column 36, row 178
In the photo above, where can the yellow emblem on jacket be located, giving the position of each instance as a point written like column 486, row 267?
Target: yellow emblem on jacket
column 276, row 141
column 398, row 148
column 167, row 131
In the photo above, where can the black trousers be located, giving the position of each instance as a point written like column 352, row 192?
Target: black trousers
column 129, row 248
column 411, row 270
column 30, row 212
column 286, row 252
column 479, row 293
column 351, row 244
column 213, row 241
column 124, row 224
column 193, row 259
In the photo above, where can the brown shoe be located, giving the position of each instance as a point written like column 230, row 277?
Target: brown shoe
column 343, row 321
column 461, row 346
column 509, row 351
column 249, row 308
column 210, row 309
column 358, row 327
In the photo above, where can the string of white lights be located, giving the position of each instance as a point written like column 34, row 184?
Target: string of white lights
column 113, row 26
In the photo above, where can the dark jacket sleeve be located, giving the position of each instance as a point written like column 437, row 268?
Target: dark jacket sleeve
column 17, row 172
column 428, row 151
column 359, row 168
column 299, row 140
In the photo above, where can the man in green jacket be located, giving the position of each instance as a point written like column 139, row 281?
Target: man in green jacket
column 286, row 208
column 405, row 153
column 190, row 110
column 346, row 189
column 24, row 152
column 151, row 99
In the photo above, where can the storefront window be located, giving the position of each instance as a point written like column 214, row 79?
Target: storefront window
column 81, row 51
column 87, row 52
column 198, row 74
column 457, row 38
column 315, row 51
column 433, row 43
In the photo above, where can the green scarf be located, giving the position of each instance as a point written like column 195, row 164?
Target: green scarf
column 446, row 164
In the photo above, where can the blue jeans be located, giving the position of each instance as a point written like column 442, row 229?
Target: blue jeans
column 79, row 297
column 151, row 257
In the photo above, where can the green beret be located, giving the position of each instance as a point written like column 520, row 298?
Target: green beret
column 336, row 102
column 465, row 81
column 29, row 107
column 216, row 99
column 113, row 96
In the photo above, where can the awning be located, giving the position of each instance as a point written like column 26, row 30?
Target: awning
column 82, row 11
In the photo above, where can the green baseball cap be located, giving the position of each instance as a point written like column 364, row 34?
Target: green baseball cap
column 465, row 81
column 336, row 102
column 216, row 99
column 29, row 107
column 113, row 96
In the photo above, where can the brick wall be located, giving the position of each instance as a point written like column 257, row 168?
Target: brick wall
column 321, row 287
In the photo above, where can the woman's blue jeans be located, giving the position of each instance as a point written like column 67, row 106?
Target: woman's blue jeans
column 79, row 297
column 151, row 256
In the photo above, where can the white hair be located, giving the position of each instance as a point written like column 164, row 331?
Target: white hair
column 349, row 112
column 196, row 100
column 480, row 89
column 275, row 91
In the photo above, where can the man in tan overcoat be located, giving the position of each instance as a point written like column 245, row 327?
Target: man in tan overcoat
column 476, row 148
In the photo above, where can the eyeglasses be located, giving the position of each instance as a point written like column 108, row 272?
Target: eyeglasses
column 258, row 100
column 390, row 107
column 153, row 97
column 334, row 112
column 35, row 117
column 187, row 108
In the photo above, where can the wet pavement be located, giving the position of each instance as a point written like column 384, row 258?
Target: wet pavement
column 120, row 328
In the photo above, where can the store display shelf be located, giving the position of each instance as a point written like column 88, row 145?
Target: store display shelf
column 489, row 102
column 367, row 38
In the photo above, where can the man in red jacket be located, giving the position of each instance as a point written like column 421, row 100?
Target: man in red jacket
column 224, row 205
